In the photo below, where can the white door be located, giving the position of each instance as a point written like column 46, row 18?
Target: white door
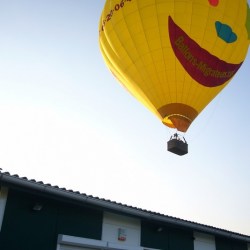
column 204, row 242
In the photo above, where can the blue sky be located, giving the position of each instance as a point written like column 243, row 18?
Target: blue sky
column 65, row 120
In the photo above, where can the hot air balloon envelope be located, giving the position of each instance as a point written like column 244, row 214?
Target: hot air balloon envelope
column 174, row 56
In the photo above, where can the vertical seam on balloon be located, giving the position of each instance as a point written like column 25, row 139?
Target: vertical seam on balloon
column 238, row 13
column 145, row 40
column 105, row 48
column 138, row 71
column 186, row 73
column 164, row 61
column 159, row 80
column 104, row 45
column 217, row 38
column 200, row 95
column 139, row 11
column 227, row 44
column 196, row 88
column 175, row 61
column 145, row 97
column 208, row 94
column 197, row 91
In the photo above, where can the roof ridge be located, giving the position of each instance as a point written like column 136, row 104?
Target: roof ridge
column 100, row 201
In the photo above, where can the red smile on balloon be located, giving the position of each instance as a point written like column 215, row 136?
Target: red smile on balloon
column 202, row 66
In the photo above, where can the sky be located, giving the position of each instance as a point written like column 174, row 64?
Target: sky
column 65, row 120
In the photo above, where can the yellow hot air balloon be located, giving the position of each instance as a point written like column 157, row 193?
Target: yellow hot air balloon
column 174, row 56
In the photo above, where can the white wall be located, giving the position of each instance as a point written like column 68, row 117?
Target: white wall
column 110, row 229
column 204, row 242
column 111, row 225
column 67, row 242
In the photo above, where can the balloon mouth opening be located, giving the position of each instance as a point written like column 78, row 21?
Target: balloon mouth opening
column 177, row 115
column 180, row 122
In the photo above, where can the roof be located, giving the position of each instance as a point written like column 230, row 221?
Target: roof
column 6, row 179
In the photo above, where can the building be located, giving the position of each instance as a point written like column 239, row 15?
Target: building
column 34, row 215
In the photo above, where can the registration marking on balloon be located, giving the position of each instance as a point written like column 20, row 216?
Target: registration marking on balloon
column 205, row 68
column 109, row 16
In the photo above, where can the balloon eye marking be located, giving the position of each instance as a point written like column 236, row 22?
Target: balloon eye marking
column 225, row 32
column 214, row 2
